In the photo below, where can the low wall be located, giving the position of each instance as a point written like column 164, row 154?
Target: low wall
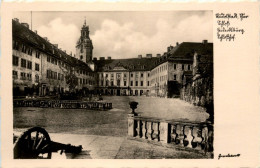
column 66, row 104
column 195, row 135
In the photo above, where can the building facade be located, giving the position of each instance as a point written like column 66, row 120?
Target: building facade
column 41, row 68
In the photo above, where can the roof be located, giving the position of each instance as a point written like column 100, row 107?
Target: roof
column 24, row 34
column 186, row 50
column 131, row 64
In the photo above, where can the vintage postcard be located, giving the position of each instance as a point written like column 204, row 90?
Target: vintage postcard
column 134, row 84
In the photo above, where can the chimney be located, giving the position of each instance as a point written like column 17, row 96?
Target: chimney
column 74, row 55
column 204, row 41
column 35, row 31
column 177, row 43
column 109, row 58
column 95, row 58
column 55, row 45
column 71, row 54
column 158, row 55
column 102, row 58
column 65, row 51
column 45, row 38
column 25, row 24
column 149, row 55
column 16, row 19
column 139, row 56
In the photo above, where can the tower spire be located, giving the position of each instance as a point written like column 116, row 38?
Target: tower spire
column 85, row 21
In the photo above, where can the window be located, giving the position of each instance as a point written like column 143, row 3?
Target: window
column 48, row 74
column 142, row 83
column 59, row 76
column 36, row 78
column 182, row 67
column 124, row 75
column 15, row 75
column 106, row 75
column 148, row 74
column 55, row 75
column 132, row 75
column 142, row 75
column 112, row 83
column 81, row 57
column 131, row 83
column 37, row 67
column 29, row 51
column 55, row 61
column 174, row 77
column 29, row 77
column 24, row 48
column 106, row 82
column 23, row 76
column 147, row 83
column 118, row 82
column 136, row 83
column 118, row 75
column 15, row 60
column 52, row 60
column 23, row 63
column 188, row 67
column 48, row 58
column 124, row 83
column 80, row 81
column 174, row 66
column 29, row 65
column 38, row 54
column 16, row 45
column 62, row 77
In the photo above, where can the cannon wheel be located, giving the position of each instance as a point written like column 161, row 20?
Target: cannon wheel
column 33, row 144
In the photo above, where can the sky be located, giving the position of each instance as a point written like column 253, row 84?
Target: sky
column 122, row 34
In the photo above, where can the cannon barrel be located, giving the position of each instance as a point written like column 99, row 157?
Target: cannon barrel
column 68, row 148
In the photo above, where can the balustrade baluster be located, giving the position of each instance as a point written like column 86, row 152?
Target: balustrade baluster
column 204, row 135
column 144, row 130
column 187, row 136
column 138, row 128
column 155, row 133
column 173, row 133
column 149, row 130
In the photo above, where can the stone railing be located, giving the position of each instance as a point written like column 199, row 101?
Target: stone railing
column 66, row 104
column 195, row 135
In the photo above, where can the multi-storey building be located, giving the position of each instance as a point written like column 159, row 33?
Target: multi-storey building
column 124, row 76
column 41, row 68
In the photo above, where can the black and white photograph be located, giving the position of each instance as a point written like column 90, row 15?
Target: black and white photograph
column 113, row 84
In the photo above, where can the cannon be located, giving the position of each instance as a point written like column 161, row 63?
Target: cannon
column 35, row 143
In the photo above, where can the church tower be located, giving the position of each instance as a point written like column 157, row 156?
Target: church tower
column 84, row 47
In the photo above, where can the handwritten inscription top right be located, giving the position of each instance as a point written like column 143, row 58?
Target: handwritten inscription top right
column 225, row 30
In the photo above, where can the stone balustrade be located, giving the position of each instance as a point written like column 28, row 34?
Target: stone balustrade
column 195, row 135
column 66, row 104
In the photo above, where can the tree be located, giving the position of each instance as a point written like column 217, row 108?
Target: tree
column 71, row 81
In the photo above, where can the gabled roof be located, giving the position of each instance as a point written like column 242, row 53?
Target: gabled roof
column 25, row 35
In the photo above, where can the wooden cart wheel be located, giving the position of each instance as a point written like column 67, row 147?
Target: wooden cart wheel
column 33, row 144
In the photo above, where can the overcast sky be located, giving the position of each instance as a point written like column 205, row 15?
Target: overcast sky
column 122, row 34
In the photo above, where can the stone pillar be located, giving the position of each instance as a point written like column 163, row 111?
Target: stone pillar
column 131, row 126
column 164, row 132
